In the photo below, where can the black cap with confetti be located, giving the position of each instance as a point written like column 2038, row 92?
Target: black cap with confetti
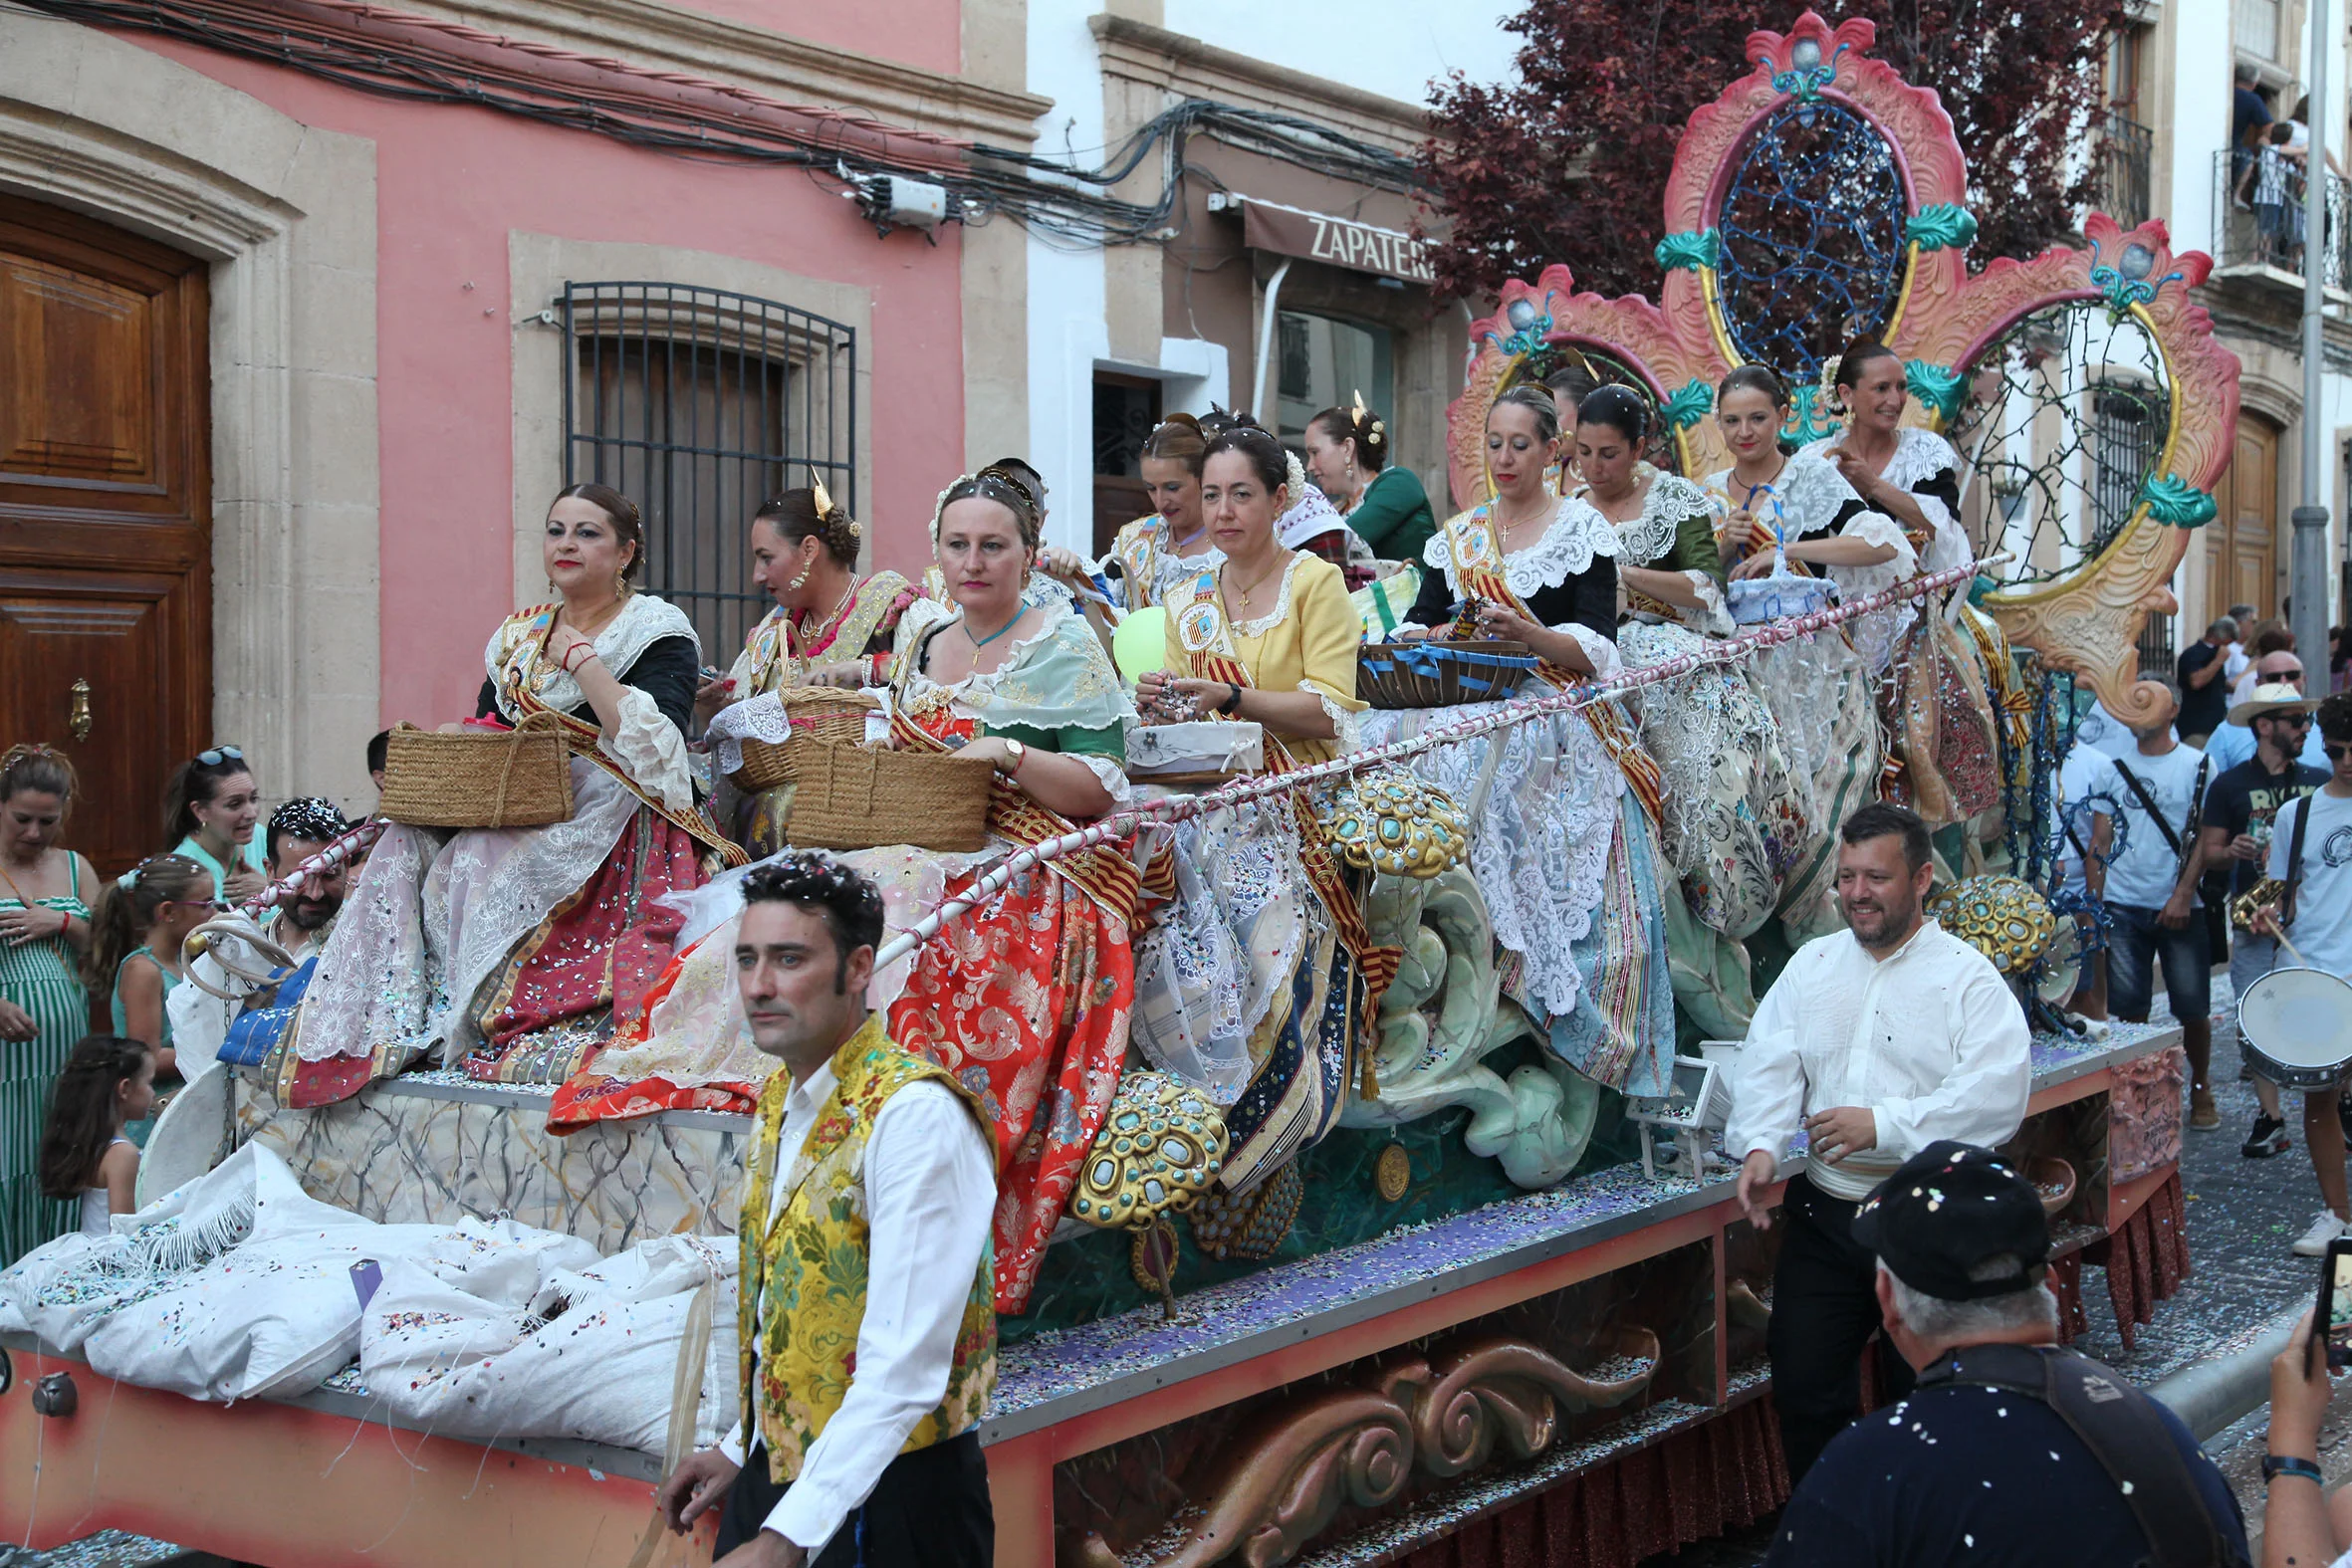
column 1950, row 1210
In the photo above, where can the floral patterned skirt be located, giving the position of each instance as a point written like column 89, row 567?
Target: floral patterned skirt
column 1027, row 1001
column 1939, row 719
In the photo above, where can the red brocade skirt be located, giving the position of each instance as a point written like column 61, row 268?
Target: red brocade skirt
column 1027, row 1001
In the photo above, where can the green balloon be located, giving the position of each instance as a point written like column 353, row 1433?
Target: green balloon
column 1140, row 645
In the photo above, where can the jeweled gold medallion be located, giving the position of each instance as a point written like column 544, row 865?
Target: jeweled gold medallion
column 1392, row 1172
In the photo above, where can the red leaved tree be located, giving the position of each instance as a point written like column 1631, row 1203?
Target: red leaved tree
column 1569, row 163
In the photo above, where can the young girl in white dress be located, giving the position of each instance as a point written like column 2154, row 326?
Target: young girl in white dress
column 108, row 1081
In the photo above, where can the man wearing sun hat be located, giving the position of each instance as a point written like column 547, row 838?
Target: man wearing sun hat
column 2010, row 1450
column 2239, row 808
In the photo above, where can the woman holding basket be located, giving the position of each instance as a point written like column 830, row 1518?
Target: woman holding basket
column 830, row 627
column 512, row 949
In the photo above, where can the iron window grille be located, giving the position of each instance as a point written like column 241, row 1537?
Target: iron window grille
column 699, row 404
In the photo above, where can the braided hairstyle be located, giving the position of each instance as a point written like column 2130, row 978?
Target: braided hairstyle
column 1538, row 402
column 1004, row 487
column 32, row 766
column 1244, row 435
column 1618, row 409
column 1178, row 439
column 796, row 515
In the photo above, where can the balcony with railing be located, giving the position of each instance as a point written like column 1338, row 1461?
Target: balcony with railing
column 2258, row 200
column 2126, row 153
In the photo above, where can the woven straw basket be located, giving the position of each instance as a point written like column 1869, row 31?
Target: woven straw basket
column 820, row 716
column 1438, row 674
column 521, row 779
column 850, row 798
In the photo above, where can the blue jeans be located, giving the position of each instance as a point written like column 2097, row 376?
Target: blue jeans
column 2135, row 944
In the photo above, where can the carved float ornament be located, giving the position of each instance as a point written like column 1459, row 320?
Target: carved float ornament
column 1357, row 1445
column 1819, row 127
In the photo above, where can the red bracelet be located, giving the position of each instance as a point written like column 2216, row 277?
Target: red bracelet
column 584, row 651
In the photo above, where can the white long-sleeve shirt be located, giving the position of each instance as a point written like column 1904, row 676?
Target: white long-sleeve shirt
column 930, row 1189
column 1929, row 1039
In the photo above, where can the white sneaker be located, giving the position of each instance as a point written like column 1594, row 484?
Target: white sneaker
column 2326, row 1228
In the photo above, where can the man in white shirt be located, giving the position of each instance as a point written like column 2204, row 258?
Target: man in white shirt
column 2149, row 886
column 2084, row 777
column 1878, row 1041
column 2234, row 658
column 2311, row 851
column 865, row 1264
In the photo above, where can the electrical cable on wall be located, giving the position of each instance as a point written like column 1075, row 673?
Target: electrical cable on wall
column 885, row 169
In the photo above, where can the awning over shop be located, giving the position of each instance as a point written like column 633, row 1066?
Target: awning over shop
column 1319, row 236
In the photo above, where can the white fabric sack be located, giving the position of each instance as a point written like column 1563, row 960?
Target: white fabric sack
column 1197, row 745
column 599, row 1370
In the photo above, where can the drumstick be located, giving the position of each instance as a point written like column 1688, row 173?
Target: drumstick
column 2278, row 935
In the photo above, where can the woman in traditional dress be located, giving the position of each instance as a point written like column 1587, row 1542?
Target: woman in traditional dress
column 830, row 626
column 1566, row 851
column 513, row 948
column 1727, row 819
column 1569, row 386
column 1026, row 998
column 43, row 1010
column 1938, row 706
column 1156, row 554
column 1347, row 452
column 1822, row 688
column 210, row 807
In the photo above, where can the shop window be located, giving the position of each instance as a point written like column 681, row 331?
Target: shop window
column 1323, row 362
column 698, row 404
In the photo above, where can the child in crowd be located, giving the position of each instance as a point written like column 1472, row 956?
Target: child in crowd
column 108, row 1083
column 137, row 932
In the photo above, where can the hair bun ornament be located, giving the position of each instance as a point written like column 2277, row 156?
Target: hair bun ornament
column 823, row 497
column 1830, row 369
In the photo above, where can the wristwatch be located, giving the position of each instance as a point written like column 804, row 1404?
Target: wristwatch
column 1232, row 699
column 1014, row 752
column 2277, row 1465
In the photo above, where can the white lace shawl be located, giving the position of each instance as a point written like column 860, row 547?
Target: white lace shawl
column 1811, row 491
column 1919, row 455
column 1576, row 534
column 646, row 744
column 1650, row 537
column 1057, row 677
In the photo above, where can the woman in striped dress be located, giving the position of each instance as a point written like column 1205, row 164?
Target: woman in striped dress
column 43, row 928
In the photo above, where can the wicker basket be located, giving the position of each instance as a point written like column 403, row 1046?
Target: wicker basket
column 1438, row 674
column 850, row 798
column 519, row 779
column 820, row 716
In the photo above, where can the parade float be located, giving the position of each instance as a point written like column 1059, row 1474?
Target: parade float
column 1464, row 1283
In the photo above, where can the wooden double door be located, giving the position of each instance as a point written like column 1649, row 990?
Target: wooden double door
column 2241, row 542
column 106, row 482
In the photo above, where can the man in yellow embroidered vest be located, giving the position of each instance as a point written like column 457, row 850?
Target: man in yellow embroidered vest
column 867, row 1319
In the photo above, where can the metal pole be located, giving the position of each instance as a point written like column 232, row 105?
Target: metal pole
column 1266, row 342
column 2308, row 589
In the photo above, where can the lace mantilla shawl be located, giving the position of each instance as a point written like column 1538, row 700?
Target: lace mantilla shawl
column 1919, row 454
column 515, row 649
column 1651, row 535
column 646, row 745
column 1576, row 534
column 1811, row 492
column 1057, row 678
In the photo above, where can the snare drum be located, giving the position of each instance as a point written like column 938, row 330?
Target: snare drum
column 2296, row 1026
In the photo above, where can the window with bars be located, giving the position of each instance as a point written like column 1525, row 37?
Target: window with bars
column 2127, row 430
column 698, row 404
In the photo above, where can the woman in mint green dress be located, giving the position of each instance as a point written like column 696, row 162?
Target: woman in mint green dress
column 211, row 809
column 43, row 1010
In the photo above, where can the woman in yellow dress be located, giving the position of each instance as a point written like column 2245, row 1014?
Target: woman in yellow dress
column 1268, row 634
column 830, row 627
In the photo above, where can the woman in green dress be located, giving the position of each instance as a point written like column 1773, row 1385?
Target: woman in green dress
column 1347, row 458
column 211, row 806
column 43, row 1010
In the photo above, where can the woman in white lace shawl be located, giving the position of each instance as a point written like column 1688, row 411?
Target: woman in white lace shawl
column 1937, row 707
column 1727, row 823
column 1823, row 688
column 512, row 948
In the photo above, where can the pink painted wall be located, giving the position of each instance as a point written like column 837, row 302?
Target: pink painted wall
column 925, row 33
column 451, row 182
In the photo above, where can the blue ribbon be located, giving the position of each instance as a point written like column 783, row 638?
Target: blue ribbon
column 1430, row 660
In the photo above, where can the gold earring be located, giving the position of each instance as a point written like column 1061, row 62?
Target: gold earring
column 793, row 586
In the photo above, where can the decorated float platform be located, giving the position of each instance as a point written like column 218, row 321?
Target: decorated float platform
column 1581, row 1366
column 1425, row 1358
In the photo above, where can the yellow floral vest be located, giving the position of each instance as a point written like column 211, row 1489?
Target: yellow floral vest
column 803, row 1296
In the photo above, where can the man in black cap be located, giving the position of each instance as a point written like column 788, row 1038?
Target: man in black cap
column 2010, row 1450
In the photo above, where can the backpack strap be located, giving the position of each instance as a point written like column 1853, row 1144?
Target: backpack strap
column 2124, row 1433
column 2294, row 861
